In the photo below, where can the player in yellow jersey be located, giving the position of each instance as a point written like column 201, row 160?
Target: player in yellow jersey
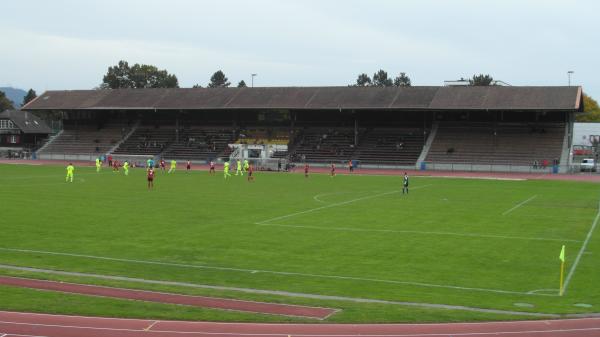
column 226, row 170
column 126, row 167
column 70, row 171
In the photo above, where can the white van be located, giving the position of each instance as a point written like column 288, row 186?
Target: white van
column 588, row 164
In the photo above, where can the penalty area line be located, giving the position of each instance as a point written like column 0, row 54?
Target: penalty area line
column 333, row 205
column 519, row 205
column 475, row 235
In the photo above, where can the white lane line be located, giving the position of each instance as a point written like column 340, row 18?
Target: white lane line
column 288, row 273
column 334, row 205
column 519, row 205
column 524, row 332
column 349, row 229
column 581, row 250
column 150, row 326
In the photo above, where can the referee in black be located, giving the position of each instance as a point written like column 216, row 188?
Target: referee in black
column 405, row 183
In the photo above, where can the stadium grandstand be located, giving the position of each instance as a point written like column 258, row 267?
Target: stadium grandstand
column 423, row 127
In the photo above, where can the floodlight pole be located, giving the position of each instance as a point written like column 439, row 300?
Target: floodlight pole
column 253, row 80
column 569, row 73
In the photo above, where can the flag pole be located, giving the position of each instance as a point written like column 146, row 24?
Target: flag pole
column 562, row 272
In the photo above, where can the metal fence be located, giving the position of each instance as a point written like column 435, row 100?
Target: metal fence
column 272, row 163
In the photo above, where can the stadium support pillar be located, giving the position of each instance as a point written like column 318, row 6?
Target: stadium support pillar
column 355, row 131
column 177, row 129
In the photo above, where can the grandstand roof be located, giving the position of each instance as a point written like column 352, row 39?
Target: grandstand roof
column 26, row 122
column 389, row 98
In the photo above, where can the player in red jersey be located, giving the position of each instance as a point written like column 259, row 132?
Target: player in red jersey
column 162, row 165
column 115, row 165
column 332, row 170
column 306, row 170
column 250, row 171
column 188, row 166
column 151, row 178
column 212, row 167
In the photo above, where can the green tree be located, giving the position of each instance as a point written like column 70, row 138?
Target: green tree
column 402, row 80
column 218, row 80
column 5, row 103
column 380, row 79
column 137, row 76
column 591, row 110
column 196, row 86
column 363, row 80
column 117, row 77
column 481, row 80
column 242, row 84
column 31, row 95
column 149, row 76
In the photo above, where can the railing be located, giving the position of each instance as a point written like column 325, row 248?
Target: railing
column 272, row 163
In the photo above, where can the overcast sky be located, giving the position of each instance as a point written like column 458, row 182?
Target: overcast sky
column 64, row 44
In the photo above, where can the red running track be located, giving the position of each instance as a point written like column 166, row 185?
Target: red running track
column 341, row 170
column 151, row 296
column 14, row 324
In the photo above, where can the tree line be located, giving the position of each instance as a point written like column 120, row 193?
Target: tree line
column 122, row 75
column 6, row 104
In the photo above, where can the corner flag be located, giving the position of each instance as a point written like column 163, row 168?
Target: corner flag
column 562, row 254
column 561, row 257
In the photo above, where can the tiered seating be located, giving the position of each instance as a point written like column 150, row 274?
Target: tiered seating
column 325, row 144
column 86, row 139
column 201, row 143
column 400, row 146
column 147, row 141
column 507, row 144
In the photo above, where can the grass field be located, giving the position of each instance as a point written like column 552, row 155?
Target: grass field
column 477, row 243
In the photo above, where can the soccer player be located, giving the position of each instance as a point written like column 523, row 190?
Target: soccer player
column 239, row 168
column 405, row 183
column 188, row 166
column 305, row 170
column 332, row 170
column 149, row 164
column 115, row 166
column 212, row 168
column 126, row 167
column 246, row 165
column 226, row 170
column 173, row 166
column 250, row 171
column 350, row 166
column 151, row 178
column 162, row 165
column 70, row 171
column 98, row 164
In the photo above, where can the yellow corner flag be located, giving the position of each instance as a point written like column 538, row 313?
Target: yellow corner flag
column 561, row 257
column 562, row 254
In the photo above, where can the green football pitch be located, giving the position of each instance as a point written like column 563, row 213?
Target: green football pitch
column 350, row 242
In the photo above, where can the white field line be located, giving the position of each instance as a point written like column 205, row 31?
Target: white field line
column 286, row 273
column 316, row 197
column 349, row 229
column 334, row 205
column 95, row 257
column 519, row 205
column 581, row 250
